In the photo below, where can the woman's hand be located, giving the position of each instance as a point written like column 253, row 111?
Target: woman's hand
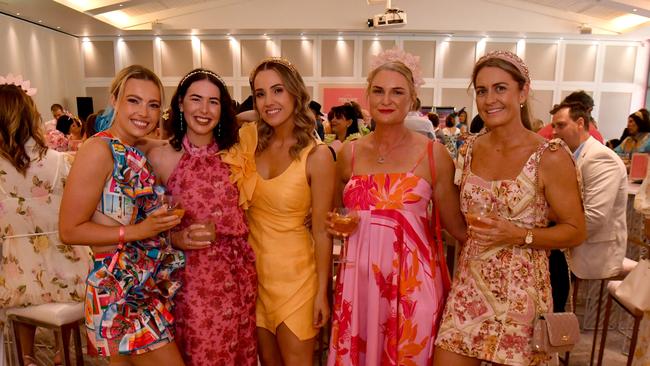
column 182, row 239
column 321, row 310
column 157, row 222
column 496, row 232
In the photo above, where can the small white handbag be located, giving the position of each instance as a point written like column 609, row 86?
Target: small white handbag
column 634, row 291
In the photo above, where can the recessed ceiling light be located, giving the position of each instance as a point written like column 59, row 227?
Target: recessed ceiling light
column 40, row 21
column 17, row 13
column 635, row 10
column 58, row 27
column 121, row 5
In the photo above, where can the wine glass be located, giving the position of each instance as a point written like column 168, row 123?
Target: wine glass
column 476, row 211
column 345, row 221
column 173, row 205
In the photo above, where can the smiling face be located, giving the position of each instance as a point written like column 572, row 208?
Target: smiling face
column 498, row 97
column 273, row 101
column 389, row 97
column 201, row 108
column 137, row 112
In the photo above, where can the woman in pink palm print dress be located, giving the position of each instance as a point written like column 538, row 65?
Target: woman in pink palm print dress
column 390, row 291
column 215, row 307
column 502, row 282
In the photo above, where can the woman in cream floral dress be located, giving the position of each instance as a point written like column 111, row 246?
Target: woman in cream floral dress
column 36, row 268
column 502, row 281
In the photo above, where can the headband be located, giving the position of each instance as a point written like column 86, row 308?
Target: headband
column 509, row 57
column 638, row 114
column 274, row 60
column 399, row 55
column 205, row 72
column 18, row 81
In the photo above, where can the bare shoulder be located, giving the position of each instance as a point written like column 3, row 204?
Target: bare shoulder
column 320, row 154
column 95, row 149
column 556, row 159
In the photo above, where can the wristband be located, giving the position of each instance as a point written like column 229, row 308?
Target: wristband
column 120, row 245
column 120, row 242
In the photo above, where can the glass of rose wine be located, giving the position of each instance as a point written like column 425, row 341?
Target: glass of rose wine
column 476, row 212
column 345, row 222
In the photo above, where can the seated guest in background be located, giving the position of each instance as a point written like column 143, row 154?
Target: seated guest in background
column 536, row 125
column 344, row 126
column 604, row 184
column 315, row 108
column 415, row 121
column 215, row 307
column 450, row 136
column 36, row 267
column 118, row 211
column 393, row 279
column 511, row 181
column 63, row 124
column 587, row 102
column 638, row 129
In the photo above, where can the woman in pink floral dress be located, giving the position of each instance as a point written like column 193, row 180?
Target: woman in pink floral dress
column 502, row 282
column 215, row 307
column 391, row 287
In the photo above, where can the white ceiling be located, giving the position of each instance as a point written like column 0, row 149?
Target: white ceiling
column 95, row 18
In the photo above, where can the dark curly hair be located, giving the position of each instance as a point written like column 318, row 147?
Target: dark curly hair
column 227, row 133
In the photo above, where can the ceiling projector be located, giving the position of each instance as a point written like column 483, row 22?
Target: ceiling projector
column 390, row 18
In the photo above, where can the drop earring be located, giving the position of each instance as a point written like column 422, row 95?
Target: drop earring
column 521, row 106
column 181, row 122
column 218, row 129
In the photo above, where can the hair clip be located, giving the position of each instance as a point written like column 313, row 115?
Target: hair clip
column 10, row 79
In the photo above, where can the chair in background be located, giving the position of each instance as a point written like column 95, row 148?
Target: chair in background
column 60, row 317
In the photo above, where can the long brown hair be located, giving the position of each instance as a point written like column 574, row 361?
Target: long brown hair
column 516, row 74
column 19, row 121
column 304, row 123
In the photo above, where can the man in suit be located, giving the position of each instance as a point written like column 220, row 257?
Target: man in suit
column 604, row 184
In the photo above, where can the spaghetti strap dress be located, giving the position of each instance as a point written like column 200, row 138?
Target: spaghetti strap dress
column 129, row 293
column 283, row 245
column 498, row 292
column 391, row 285
column 215, row 307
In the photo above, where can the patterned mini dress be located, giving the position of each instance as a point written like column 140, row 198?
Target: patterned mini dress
column 128, row 309
column 498, row 292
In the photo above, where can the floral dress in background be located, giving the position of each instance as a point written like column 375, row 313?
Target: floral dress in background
column 391, row 286
column 37, row 269
column 215, row 307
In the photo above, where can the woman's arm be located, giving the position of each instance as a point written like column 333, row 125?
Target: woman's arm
column 321, row 173
column 446, row 195
column 558, row 178
column 83, row 189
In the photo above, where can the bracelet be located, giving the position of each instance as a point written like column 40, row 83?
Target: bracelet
column 121, row 240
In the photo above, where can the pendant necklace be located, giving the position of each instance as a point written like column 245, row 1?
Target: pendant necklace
column 381, row 157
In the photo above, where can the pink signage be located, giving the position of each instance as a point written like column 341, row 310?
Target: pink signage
column 337, row 96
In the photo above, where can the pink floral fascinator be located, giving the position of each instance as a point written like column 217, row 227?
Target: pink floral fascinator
column 398, row 54
column 10, row 79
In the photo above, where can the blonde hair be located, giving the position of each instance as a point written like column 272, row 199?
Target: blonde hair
column 137, row 72
column 304, row 123
column 19, row 121
column 398, row 67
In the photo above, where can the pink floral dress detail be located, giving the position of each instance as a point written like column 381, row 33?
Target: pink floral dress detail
column 215, row 307
column 390, row 293
column 497, row 293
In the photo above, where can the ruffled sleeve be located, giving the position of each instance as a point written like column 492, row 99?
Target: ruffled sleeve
column 241, row 160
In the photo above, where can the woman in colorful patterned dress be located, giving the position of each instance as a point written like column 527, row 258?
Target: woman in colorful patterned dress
column 215, row 308
column 282, row 174
column 391, row 287
column 110, row 203
column 36, row 269
column 502, row 281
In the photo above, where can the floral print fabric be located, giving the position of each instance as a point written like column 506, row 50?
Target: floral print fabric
column 37, row 269
column 389, row 293
column 498, row 292
column 215, row 308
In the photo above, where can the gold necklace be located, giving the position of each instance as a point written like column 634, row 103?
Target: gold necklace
column 381, row 157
